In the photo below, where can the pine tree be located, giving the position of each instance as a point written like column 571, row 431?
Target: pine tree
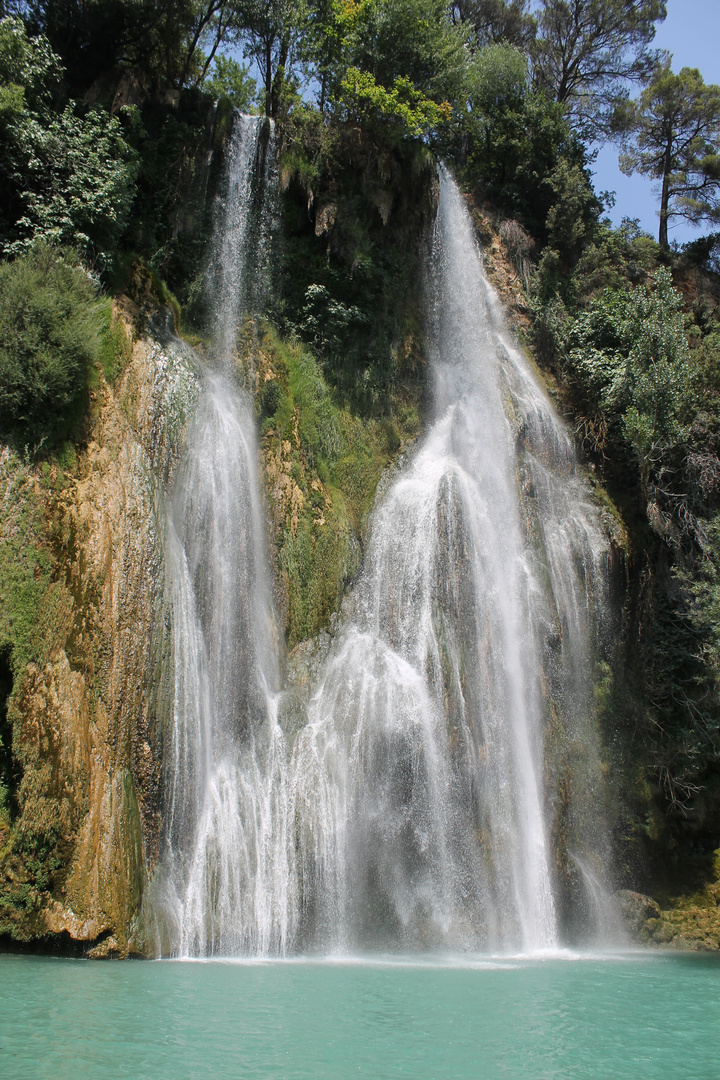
column 673, row 135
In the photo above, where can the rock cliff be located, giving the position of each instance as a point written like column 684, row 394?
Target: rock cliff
column 87, row 717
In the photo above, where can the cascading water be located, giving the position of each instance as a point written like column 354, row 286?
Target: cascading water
column 418, row 806
column 421, row 815
column 224, row 803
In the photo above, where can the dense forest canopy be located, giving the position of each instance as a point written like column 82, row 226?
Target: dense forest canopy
column 104, row 103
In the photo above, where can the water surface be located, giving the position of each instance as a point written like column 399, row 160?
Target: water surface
column 640, row 1017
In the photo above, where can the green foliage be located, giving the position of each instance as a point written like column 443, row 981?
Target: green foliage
column 674, row 137
column 611, row 258
column 571, row 221
column 30, row 72
column 643, row 382
column 49, row 338
column 704, row 588
column 627, row 363
column 64, row 177
column 231, row 79
column 75, row 182
column 402, row 108
column 495, row 22
column 405, row 39
column 514, row 139
column 586, row 51
column 326, row 466
column 397, row 66
column 497, row 79
column 574, row 213
column 704, row 252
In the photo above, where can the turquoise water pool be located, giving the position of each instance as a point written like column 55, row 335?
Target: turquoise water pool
column 636, row 1016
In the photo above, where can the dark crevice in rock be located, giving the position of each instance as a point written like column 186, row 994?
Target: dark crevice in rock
column 8, row 770
column 62, row 945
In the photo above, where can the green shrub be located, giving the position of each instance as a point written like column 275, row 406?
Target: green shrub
column 49, row 337
column 66, row 176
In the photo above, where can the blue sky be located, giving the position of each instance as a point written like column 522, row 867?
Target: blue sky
column 691, row 33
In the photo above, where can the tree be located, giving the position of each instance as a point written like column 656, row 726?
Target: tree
column 50, row 319
column 30, row 72
column 403, row 109
column 234, row 81
column 629, row 370
column 587, row 50
column 271, row 30
column 408, row 39
column 674, row 137
column 210, row 23
column 396, row 65
column 494, row 21
column 65, row 176
column 171, row 41
column 514, row 138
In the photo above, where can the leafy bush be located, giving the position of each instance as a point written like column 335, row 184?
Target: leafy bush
column 49, row 336
column 627, row 364
column 232, row 80
column 75, row 181
column 66, row 177
column 512, row 138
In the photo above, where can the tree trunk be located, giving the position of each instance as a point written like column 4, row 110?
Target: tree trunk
column 268, row 79
column 279, row 77
column 665, row 198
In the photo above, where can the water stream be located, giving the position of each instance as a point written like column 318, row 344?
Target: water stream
column 418, row 808
column 421, row 815
column 224, row 768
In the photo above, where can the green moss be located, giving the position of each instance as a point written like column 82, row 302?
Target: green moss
column 115, row 346
column 323, row 465
column 35, row 609
column 348, row 282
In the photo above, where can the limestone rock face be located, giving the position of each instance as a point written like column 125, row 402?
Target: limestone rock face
column 684, row 922
column 88, row 723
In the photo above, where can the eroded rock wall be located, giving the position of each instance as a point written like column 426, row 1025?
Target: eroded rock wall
column 87, row 722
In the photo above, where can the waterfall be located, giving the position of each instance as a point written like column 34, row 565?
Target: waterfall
column 422, row 818
column 225, row 848
column 427, row 801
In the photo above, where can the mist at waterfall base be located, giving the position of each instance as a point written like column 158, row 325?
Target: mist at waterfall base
column 428, row 801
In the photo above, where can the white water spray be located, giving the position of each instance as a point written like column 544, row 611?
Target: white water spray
column 226, row 847
column 411, row 811
column 420, row 804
